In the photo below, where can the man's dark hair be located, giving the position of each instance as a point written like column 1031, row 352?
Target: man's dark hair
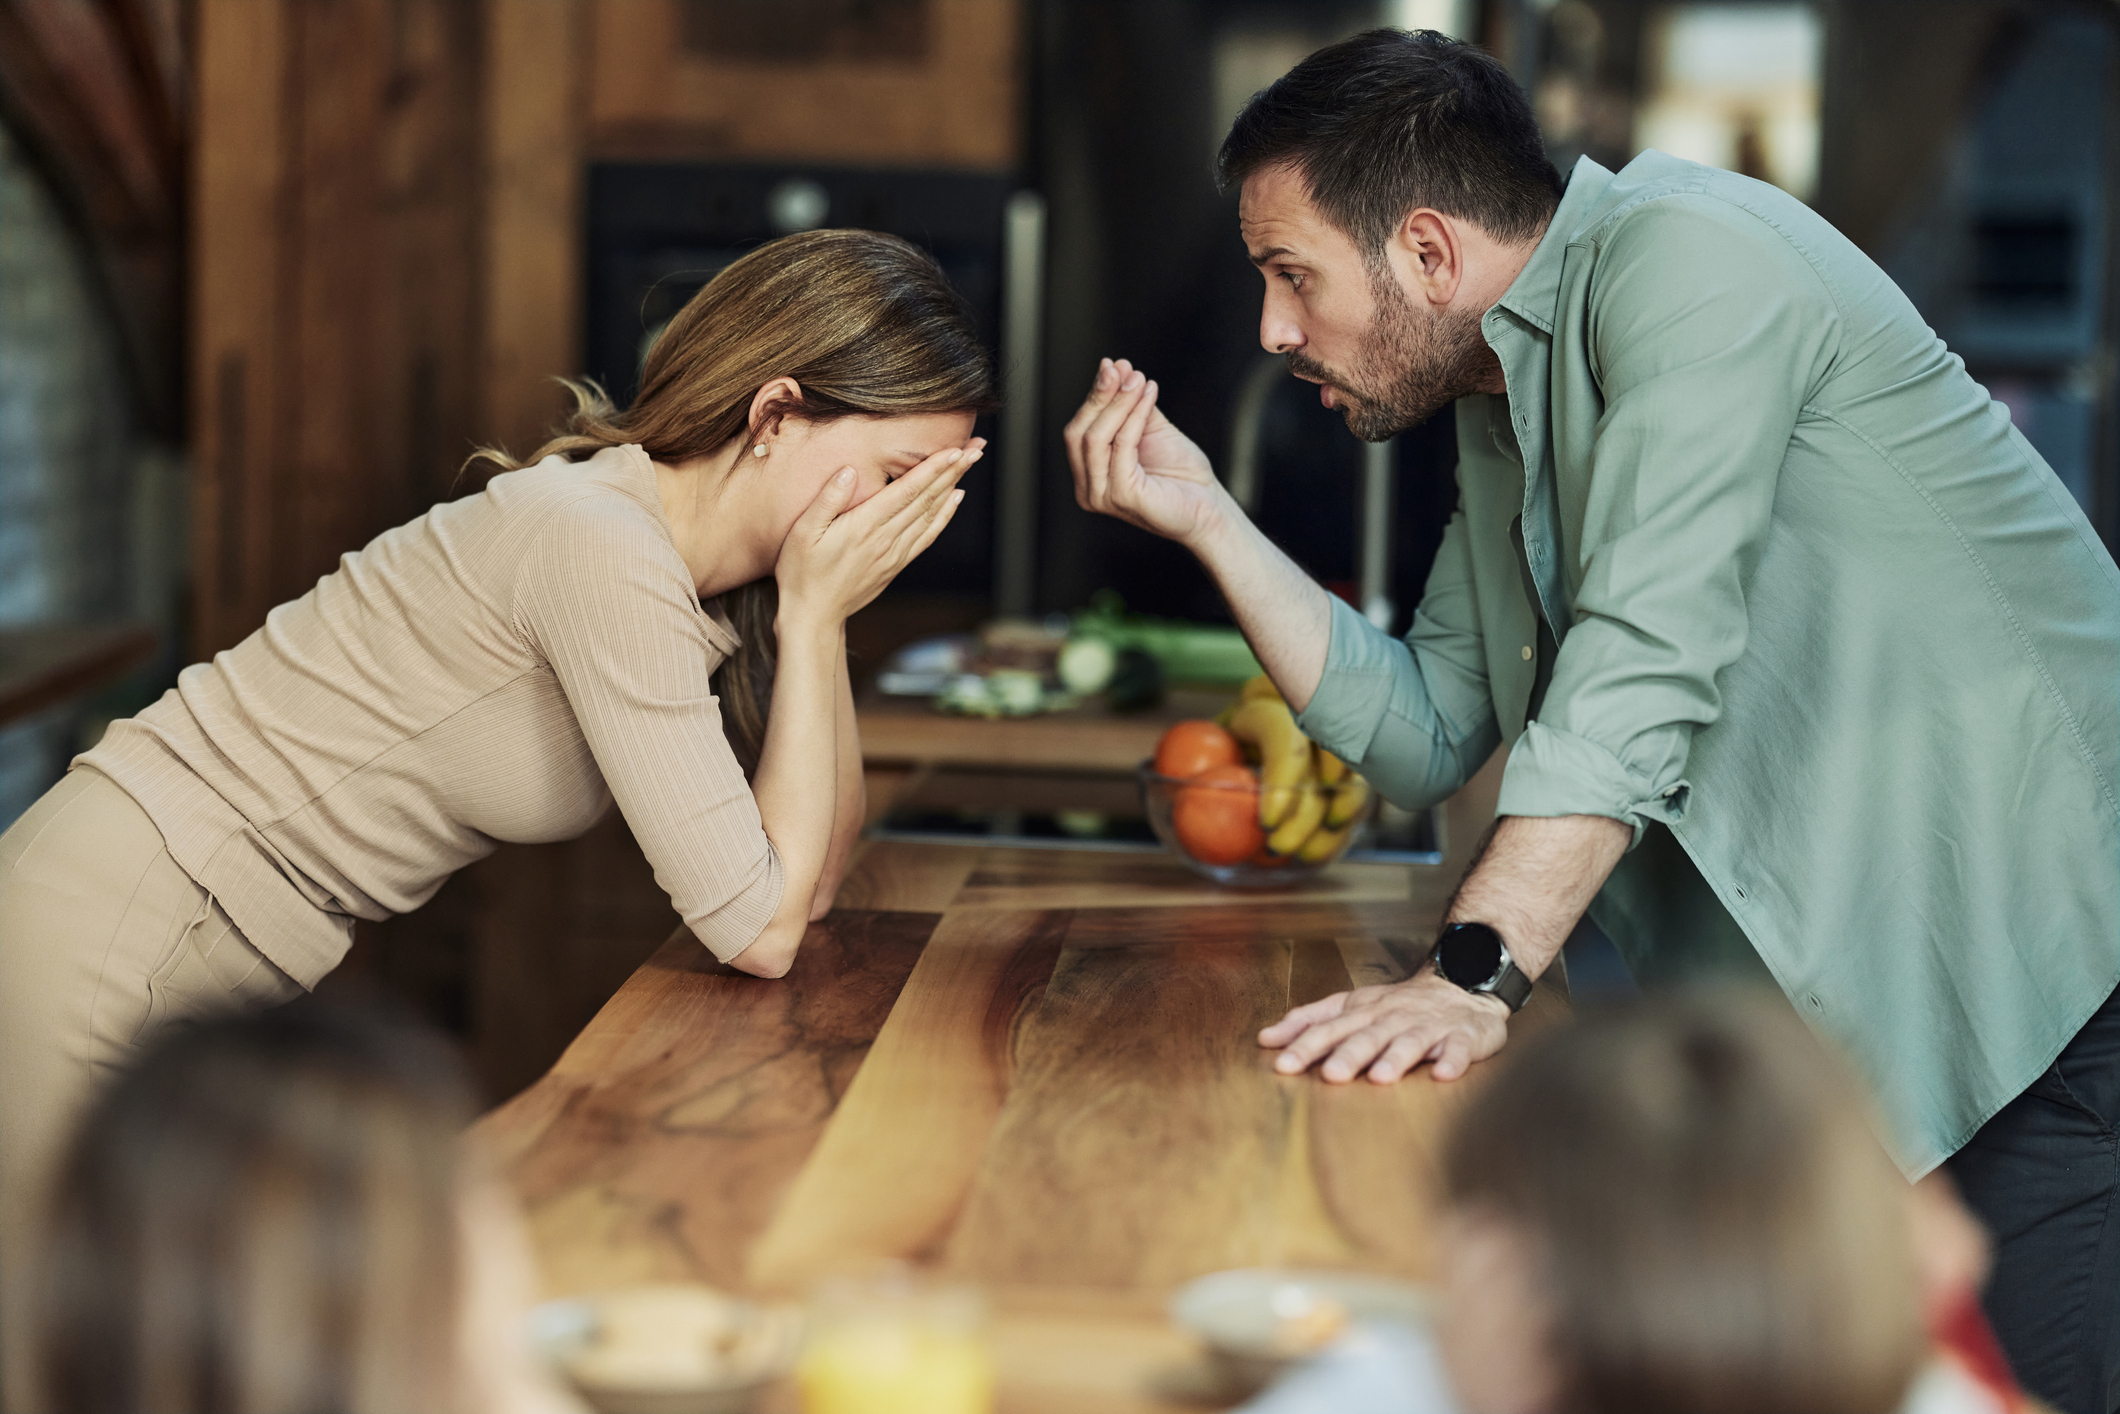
column 1394, row 119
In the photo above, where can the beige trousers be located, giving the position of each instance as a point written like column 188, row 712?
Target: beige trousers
column 103, row 938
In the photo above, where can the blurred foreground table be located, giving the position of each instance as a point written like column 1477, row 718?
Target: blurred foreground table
column 1032, row 1069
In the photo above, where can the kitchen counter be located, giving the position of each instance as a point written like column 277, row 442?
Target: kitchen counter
column 1033, row 1069
column 907, row 731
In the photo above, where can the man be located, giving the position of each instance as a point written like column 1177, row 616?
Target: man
column 1803, row 658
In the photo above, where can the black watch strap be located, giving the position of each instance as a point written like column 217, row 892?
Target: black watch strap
column 1473, row 956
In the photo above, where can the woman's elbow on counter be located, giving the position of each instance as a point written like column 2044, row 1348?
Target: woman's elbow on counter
column 772, row 952
column 826, row 894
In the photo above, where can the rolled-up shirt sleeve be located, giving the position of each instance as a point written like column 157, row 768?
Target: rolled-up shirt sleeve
column 1707, row 332
column 604, row 599
column 1415, row 715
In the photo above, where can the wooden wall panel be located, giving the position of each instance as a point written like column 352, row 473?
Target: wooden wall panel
column 327, row 432
column 957, row 106
column 532, row 239
column 431, row 141
column 335, row 332
column 236, row 180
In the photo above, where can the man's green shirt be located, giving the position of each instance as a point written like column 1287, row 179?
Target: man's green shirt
column 1818, row 623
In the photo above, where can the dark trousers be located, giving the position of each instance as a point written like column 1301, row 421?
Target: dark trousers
column 2044, row 1175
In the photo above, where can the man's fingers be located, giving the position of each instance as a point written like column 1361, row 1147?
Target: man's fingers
column 1104, row 384
column 1097, row 441
column 1399, row 1057
column 1100, row 390
column 1312, row 1046
column 1126, row 446
column 1354, row 1053
column 1113, row 397
column 1454, row 1057
column 1292, row 1025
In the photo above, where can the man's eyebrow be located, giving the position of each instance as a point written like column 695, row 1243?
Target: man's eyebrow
column 1272, row 252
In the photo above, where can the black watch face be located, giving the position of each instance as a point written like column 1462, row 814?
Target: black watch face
column 1470, row 955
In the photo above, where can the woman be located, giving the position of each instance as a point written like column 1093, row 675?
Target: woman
column 275, row 1211
column 504, row 667
column 1672, row 1208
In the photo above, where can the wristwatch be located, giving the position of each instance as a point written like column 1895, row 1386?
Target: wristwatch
column 1474, row 956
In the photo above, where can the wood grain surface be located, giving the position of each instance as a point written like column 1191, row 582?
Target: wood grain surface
column 1033, row 1069
column 1085, row 738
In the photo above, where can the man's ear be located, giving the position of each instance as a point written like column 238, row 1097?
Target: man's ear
column 1428, row 255
column 771, row 405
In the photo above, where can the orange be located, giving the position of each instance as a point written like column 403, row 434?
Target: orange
column 1189, row 748
column 1217, row 815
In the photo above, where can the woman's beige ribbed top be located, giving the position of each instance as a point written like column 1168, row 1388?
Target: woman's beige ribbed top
column 499, row 669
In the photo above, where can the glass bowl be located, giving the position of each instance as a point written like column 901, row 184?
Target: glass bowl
column 1160, row 799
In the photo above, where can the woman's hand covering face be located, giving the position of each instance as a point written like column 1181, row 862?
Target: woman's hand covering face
column 839, row 556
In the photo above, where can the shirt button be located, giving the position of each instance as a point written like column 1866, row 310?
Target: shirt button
column 1527, row 652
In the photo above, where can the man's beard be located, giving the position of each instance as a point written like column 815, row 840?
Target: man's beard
column 1409, row 366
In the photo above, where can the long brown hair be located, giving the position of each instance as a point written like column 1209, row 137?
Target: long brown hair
column 866, row 324
column 1722, row 1229
column 261, row 1215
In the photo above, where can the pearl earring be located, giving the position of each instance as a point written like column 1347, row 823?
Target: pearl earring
column 759, row 450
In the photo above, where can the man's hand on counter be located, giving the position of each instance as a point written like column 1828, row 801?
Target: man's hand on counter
column 1389, row 1030
column 1531, row 882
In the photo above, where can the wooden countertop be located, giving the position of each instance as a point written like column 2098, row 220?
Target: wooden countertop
column 1033, row 1069
column 907, row 731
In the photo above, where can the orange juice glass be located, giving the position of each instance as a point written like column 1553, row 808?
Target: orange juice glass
column 896, row 1345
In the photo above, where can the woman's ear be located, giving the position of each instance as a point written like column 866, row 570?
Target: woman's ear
column 770, row 407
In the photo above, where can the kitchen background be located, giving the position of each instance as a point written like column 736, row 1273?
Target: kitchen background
column 272, row 267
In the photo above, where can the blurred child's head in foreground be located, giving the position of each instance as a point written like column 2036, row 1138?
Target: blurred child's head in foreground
column 1677, row 1206
column 277, row 1211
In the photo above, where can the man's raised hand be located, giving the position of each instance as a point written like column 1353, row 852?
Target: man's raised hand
column 1130, row 462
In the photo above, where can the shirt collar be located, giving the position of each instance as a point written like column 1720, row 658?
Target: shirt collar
column 1534, row 295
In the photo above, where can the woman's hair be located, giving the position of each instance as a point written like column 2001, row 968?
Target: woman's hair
column 261, row 1216
column 866, row 325
column 1721, row 1227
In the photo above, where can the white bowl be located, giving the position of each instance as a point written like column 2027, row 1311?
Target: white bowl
column 671, row 1349
column 1256, row 1321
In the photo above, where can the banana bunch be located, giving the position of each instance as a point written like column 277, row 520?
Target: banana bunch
column 1309, row 799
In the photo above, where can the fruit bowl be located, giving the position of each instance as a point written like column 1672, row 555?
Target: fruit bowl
column 1201, row 820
